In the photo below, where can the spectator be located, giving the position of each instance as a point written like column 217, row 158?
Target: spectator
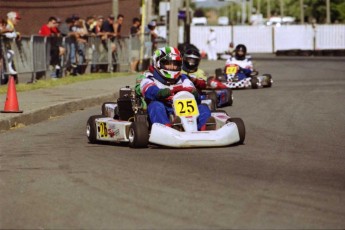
column 231, row 48
column 80, row 33
column 211, row 42
column 71, row 43
column 56, row 50
column 118, row 26
column 151, row 45
column 90, row 24
column 11, row 35
column 109, row 33
column 135, row 42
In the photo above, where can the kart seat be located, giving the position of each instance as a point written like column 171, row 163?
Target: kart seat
column 125, row 108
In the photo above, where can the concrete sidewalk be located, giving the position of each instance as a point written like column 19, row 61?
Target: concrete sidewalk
column 39, row 105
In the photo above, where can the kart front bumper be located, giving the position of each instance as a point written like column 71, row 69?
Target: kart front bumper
column 166, row 136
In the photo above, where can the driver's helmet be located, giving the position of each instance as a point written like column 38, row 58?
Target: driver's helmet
column 167, row 61
column 191, row 60
column 240, row 52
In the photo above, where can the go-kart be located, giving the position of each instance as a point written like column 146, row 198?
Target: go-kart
column 126, row 121
column 229, row 77
column 218, row 98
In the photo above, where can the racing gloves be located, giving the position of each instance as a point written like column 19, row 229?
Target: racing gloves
column 163, row 93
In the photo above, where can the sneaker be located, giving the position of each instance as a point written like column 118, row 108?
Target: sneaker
column 12, row 71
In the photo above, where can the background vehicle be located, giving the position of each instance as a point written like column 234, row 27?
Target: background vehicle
column 229, row 77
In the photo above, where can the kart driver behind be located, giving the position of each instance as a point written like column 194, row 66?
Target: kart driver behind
column 240, row 59
column 163, row 81
column 190, row 67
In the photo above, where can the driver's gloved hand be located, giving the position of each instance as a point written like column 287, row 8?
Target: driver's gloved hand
column 254, row 73
column 163, row 93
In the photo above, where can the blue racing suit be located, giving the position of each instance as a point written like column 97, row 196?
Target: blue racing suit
column 156, row 90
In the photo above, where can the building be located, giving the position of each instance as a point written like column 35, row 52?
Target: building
column 35, row 13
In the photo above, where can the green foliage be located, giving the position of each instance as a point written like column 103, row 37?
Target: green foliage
column 40, row 84
column 313, row 10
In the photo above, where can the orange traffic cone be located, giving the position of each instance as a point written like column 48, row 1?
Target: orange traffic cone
column 11, row 104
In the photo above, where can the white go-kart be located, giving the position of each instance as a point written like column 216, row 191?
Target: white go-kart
column 127, row 122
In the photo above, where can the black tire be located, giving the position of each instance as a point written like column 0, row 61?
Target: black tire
column 268, row 79
column 241, row 128
column 254, row 82
column 229, row 97
column 138, row 135
column 104, row 111
column 214, row 98
column 91, row 129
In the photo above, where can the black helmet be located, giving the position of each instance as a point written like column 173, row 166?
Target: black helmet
column 240, row 52
column 191, row 60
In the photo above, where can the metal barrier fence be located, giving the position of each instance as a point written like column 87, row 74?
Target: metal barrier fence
column 33, row 54
column 270, row 39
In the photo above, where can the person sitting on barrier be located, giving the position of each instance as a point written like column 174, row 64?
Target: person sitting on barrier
column 166, row 79
column 244, row 62
column 11, row 35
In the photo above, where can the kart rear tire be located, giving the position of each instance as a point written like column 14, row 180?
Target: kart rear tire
column 229, row 97
column 241, row 128
column 269, row 80
column 254, row 82
column 214, row 98
column 138, row 135
column 91, row 129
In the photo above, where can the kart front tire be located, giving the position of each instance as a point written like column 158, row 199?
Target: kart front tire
column 241, row 128
column 268, row 79
column 138, row 135
column 91, row 129
column 254, row 82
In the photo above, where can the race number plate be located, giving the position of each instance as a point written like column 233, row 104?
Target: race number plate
column 186, row 107
column 232, row 69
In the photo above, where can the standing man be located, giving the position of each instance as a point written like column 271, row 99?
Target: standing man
column 211, row 42
column 50, row 29
column 11, row 35
column 135, row 44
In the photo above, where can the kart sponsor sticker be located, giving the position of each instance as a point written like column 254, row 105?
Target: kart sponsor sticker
column 102, row 129
column 231, row 69
column 186, row 107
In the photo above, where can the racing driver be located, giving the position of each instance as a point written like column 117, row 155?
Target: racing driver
column 162, row 81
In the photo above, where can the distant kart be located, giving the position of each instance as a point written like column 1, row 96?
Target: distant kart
column 219, row 97
column 126, row 121
column 229, row 77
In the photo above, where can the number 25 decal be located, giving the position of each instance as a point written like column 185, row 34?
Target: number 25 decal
column 186, row 107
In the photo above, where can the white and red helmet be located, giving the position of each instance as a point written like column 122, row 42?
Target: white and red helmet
column 168, row 62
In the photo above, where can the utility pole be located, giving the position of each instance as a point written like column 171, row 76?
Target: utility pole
column 268, row 9
column 243, row 18
column 259, row 7
column 301, row 6
column 115, row 9
column 148, row 11
column 173, row 25
column 188, row 21
column 282, row 9
column 328, row 13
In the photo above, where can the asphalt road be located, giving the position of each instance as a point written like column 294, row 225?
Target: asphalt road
column 289, row 174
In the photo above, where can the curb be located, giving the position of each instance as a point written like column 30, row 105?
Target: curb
column 46, row 113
